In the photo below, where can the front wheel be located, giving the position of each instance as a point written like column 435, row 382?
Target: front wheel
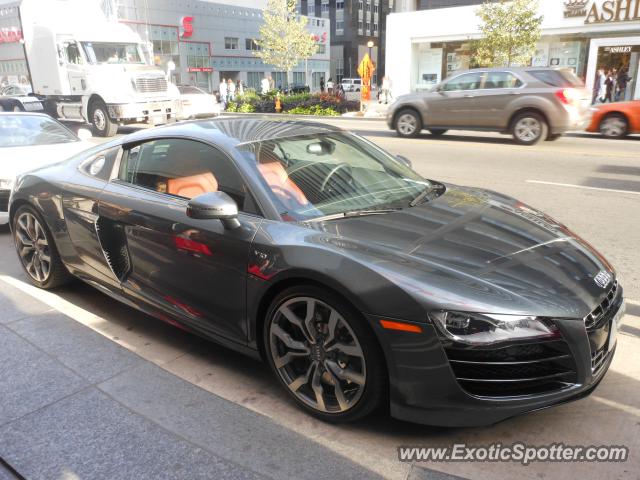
column 408, row 124
column 102, row 124
column 614, row 125
column 529, row 128
column 324, row 354
column 37, row 251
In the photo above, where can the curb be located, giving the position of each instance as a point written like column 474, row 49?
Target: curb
column 287, row 116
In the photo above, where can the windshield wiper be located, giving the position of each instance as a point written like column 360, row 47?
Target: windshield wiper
column 355, row 213
column 423, row 195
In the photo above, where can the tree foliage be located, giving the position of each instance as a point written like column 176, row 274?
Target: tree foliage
column 510, row 32
column 284, row 39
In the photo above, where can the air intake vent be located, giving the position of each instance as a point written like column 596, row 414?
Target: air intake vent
column 114, row 245
column 151, row 84
column 4, row 200
column 601, row 312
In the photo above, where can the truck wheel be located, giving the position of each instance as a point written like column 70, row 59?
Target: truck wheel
column 17, row 108
column 102, row 125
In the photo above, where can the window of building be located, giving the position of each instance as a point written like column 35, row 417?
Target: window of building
column 340, row 5
column 359, row 25
column 299, row 78
column 280, row 80
column 254, row 79
column 250, row 44
column 311, row 9
column 359, row 4
column 321, row 48
column 340, row 25
column 231, row 43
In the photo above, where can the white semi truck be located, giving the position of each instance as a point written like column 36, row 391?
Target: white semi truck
column 82, row 65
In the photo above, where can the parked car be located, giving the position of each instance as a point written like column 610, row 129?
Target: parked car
column 196, row 103
column 18, row 98
column 616, row 120
column 297, row 88
column 351, row 84
column 29, row 141
column 533, row 104
column 357, row 280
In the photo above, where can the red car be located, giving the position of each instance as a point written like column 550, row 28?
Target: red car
column 616, row 120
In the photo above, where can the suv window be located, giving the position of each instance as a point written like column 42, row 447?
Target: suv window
column 501, row 80
column 468, row 81
column 557, row 78
column 186, row 169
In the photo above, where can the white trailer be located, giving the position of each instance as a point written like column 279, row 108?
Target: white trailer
column 83, row 65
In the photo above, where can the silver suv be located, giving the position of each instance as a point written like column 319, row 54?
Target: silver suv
column 533, row 104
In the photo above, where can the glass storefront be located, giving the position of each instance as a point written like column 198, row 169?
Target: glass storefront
column 622, row 63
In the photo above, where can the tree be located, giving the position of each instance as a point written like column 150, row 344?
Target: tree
column 284, row 39
column 510, row 32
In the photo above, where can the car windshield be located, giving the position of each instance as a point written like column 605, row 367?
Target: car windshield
column 28, row 131
column 112, row 53
column 321, row 175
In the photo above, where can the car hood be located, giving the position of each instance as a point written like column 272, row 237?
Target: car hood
column 480, row 251
column 18, row 160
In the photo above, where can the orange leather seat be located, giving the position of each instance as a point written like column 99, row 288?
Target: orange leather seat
column 190, row 187
column 278, row 179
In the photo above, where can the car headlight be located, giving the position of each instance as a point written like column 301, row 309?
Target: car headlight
column 6, row 184
column 484, row 329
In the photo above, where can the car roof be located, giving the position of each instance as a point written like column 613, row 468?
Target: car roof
column 234, row 131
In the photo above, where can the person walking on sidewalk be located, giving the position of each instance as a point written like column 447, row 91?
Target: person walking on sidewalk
column 264, row 85
column 231, row 90
column 239, row 88
column 386, row 90
column 330, row 86
column 599, row 87
column 321, row 84
column 222, row 91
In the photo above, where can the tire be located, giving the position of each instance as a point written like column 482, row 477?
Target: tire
column 30, row 228
column 436, row 132
column 408, row 123
column 16, row 107
column 101, row 124
column 552, row 137
column 310, row 373
column 614, row 125
column 529, row 128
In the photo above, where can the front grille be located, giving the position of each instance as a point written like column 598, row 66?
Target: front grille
column 600, row 314
column 514, row 370
column 598, row 358
column 4, row 200
column 151, row 84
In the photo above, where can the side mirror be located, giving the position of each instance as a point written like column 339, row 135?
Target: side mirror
column 404, row 160
column 215, row 206
column 84, row 134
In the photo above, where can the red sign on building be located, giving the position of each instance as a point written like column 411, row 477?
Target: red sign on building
column 186, row 30
column 12, row 35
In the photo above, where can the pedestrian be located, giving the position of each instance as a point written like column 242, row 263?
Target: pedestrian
column 222, row 91
column 386, row 89
column 623, row 80
column 239, row 88
column 340, row 90
column 609, row 87
column 599, row 86
column 330, row 86
column 321, row 84
column 272, row 84
column 231, row 90
column 264, row 85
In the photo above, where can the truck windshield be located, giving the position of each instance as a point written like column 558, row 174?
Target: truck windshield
column 99, row 53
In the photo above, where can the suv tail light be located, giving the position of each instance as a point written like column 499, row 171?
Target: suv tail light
column 569, row 96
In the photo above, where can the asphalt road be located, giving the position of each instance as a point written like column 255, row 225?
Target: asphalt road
column 590, row 184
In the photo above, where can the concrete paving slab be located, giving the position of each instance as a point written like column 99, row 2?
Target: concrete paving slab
column 90, row 436
column 86, row 352
column 6, row 474
column 227, row 429
column 29, row 379
column 418, row 473
column 15, row 305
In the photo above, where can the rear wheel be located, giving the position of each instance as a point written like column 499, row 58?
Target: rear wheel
column 529, row 128
column 614, row 125
column 408, row 123
column 436, row 132
column 37, row 250
column 324, row 355
column 102, row 125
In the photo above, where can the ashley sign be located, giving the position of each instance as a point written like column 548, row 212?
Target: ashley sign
column 603, row 12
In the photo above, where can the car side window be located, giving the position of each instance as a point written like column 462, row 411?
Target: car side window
column 468, row 81
column 185, row 168
column 501, row 80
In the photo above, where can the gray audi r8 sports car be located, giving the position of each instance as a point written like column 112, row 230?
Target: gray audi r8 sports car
column 362, row 284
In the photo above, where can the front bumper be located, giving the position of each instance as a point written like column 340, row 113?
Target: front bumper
column 424, row 387
column 146, row 112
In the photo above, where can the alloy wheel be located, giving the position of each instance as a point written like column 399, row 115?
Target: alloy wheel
column 407, row 124
column 317, row 355
column 528, row 129
column 33, row 247
column 613, row 127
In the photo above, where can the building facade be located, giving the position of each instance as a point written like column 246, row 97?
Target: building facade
column 426, row 46
column 209, row 41
column 354, row 23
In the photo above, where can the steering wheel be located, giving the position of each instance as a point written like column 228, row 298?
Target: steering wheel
column 332, row 173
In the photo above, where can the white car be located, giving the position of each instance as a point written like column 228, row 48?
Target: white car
column 196, row 103
column 16, row 98
column 29, row 141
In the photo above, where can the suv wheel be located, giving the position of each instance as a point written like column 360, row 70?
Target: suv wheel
column 529, row 128
column 614, row 125
column 408, row 123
